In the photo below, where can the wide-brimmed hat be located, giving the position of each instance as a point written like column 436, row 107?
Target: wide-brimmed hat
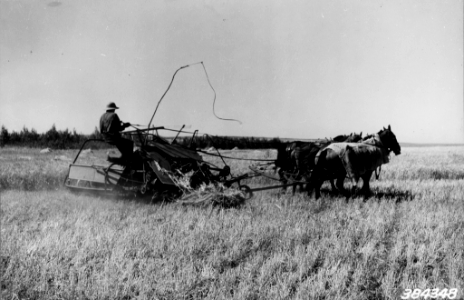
column 111, row 105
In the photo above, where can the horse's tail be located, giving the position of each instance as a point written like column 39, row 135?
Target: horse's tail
column 317, row 173
column 319, row 160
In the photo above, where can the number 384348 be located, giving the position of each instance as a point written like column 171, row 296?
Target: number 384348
column 429, row 294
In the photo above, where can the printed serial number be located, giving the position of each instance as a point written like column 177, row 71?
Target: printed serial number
column 429, row 293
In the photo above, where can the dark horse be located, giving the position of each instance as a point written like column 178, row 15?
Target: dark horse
column 295, row 160
column 357, row 160
column 352, row 138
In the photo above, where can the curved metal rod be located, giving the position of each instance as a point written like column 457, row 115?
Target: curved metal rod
column 209, row 82
column 214, row 101
column 169, row 86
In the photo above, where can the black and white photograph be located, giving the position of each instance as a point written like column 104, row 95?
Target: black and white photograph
column 200, row 149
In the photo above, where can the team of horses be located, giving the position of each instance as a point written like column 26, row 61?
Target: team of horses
column 351, row 156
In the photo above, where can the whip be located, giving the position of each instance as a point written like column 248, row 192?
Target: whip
column 209, row 82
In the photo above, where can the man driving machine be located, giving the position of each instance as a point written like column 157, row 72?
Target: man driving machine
column 111, row 127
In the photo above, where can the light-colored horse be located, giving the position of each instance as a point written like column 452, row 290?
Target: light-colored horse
column 357, row 160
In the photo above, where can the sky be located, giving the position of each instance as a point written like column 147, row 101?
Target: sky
column 288, row 69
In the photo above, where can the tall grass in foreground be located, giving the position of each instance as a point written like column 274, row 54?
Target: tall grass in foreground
column 410, row 234
column 59, row 245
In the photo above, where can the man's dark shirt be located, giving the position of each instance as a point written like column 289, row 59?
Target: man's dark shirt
column 110, row 125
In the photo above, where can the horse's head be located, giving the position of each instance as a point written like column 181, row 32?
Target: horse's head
column 340, row 138
column 369, row 136
column 388, row 138
column 354, row 137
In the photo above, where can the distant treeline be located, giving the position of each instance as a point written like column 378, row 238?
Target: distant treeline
column 53, row 138
column 65, row 139
column 222, row 142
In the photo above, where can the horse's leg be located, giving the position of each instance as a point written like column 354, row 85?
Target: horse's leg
column 283, row 180
column 333, row 184
column 294, row 188
column 366, row 190
column 303, row 179
column 296, row 170
column 309, row 183
column 354, row 181
column 304, row 182
column 317, row 187
column 316, row 177
column 314, row 182
column 338, row 173
column 340, row 184
column 301, row 183
column 295, row 183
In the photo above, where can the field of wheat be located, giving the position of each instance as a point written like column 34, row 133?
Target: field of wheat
column 408, row 235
